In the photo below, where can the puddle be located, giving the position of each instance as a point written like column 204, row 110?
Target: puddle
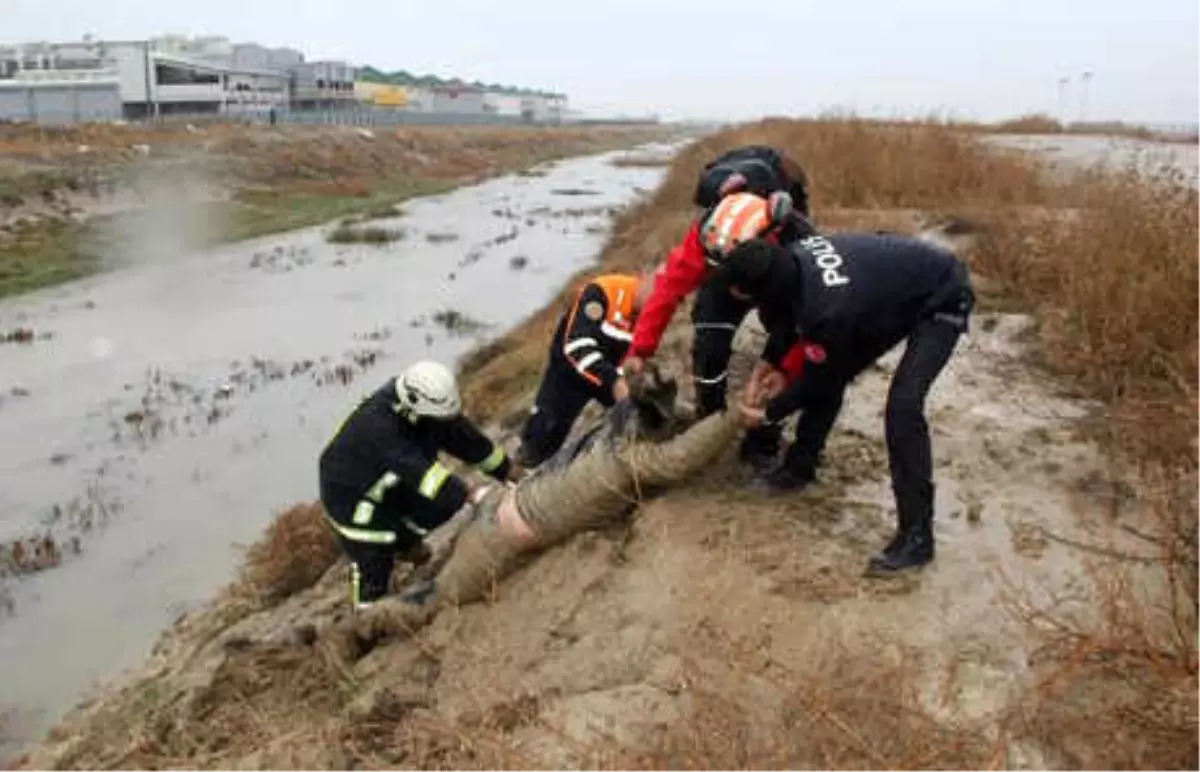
column 165, row 412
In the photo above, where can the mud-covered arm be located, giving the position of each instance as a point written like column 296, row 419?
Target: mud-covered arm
column 581, row 342
column 461, row 439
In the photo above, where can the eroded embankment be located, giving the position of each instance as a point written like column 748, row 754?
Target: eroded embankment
column 722, row 628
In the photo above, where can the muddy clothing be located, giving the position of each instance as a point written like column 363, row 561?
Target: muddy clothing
column 589, row 344
column 754, row 169
column 383, row 486
column 854, row 297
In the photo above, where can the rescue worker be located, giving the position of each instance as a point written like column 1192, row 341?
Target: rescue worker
column 589, row 343
column 854, row 297
column 382, row 485
column 725, row 192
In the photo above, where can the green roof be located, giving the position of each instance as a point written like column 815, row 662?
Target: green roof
column 370, row 74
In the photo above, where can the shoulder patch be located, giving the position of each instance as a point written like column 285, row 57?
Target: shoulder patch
column 594, row 311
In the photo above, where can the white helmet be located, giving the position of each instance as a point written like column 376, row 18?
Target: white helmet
column 428, row 389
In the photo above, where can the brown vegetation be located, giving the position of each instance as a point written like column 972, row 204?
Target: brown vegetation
column 1044, row 124
column 296, row 551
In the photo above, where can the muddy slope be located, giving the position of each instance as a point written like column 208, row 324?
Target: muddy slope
column 602, row 643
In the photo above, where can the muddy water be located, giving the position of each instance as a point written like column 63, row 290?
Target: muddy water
column 161, row 413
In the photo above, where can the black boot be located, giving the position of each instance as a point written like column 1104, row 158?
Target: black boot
column 760, row 449
column 911, row 549
column 902, row 527
column 783, row 479
column 913, row 544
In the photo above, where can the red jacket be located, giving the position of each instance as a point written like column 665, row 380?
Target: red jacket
column 682, row 275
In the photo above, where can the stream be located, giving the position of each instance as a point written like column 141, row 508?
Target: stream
column 157, row 416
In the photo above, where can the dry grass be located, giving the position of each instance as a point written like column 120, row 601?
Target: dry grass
column 294, row 553
column 1118, row 686
column 1116, row 283
column 1044, row 124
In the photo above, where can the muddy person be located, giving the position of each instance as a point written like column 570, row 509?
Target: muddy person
column 382, row 484
column 748, row 191
column 855, row 297
column 584, row 363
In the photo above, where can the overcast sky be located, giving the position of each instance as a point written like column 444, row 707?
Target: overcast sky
column 718, row 58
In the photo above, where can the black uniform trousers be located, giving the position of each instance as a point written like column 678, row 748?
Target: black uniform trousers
column 397, row 525
column 716, row 316
column 561, row 397
column 910, row 459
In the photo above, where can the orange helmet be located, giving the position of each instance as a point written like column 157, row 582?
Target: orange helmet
column 739, row 217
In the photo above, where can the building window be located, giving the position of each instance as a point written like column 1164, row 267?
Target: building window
column 169, row 75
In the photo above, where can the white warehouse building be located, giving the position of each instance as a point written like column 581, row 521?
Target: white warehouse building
column 103, row 80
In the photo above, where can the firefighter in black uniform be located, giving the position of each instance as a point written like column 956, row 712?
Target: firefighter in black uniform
column 853, row 297
column 765, row 173
column 382, row 485
column 586, row 351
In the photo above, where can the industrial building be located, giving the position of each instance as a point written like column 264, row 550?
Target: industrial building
column 95, row 80
column 105, row 80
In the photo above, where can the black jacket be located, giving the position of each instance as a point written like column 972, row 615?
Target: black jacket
column 593, row 336
column 852, row 297
column 378, row 449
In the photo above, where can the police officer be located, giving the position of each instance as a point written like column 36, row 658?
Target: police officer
column 586, row 351
column 382, row 485
column 717, row 313
column 854, row 297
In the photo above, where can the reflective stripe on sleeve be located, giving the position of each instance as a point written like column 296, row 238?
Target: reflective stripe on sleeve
column 579, row 343
column 493, row 461
column 588, row 361
column 362, row 534
column 616, row 333
column 433, row 480
column 363, row 512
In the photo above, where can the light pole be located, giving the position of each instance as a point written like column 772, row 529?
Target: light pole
column 1085, row 78
column 1063, row 82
